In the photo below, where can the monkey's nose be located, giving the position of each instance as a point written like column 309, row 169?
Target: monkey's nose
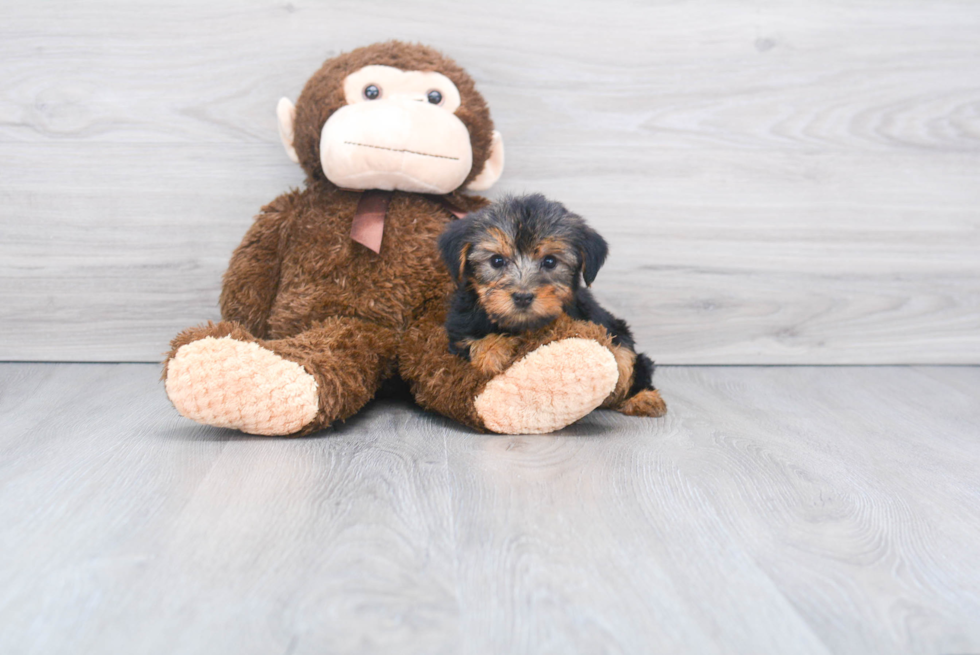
column 522, row 300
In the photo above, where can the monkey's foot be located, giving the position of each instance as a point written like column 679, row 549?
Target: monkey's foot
column 235, row 384
column 645, row 403
column 553, row 386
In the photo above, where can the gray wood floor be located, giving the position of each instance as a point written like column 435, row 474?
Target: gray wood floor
column 774, row 510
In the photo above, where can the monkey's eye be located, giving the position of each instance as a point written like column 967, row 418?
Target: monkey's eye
column 549, row 262
column 434, row 97
column 371, row 92
column 497, row 261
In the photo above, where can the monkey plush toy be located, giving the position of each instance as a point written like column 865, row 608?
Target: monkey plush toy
column 339, row 286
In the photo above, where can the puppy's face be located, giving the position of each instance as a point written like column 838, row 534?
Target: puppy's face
column 522, row 257
column 522, row 284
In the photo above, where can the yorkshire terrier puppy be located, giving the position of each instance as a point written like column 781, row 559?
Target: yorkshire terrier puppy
column 519, row 265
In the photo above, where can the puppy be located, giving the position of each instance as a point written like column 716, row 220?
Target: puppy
column 519, row 265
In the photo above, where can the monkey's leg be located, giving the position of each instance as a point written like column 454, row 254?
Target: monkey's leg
column 560, row 374
column 223, row 376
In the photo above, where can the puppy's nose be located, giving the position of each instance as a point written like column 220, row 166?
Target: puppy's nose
column 522, row 300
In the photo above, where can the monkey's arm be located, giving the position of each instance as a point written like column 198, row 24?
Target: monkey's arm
column 251, row 282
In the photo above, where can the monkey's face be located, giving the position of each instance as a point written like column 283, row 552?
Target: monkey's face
column 397, row 131
column 385, row 127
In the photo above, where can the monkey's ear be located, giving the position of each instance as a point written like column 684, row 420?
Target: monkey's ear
column 454, row 246
column 493, row 168
column 286, row 113
column 594, row 250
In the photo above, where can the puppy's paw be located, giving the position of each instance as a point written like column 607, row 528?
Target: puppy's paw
column 493, row 353
column 645, row 403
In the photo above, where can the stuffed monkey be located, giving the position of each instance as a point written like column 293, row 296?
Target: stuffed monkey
column 339, row 286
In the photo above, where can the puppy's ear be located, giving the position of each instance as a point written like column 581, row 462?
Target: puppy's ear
column 593, row 249
column 454, row 246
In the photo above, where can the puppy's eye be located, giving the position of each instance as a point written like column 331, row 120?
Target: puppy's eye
column 371, row 92
column 549, row 262
column 434, row 97
column 497, row 261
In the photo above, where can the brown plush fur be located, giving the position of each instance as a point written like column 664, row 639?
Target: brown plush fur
column 300, row 287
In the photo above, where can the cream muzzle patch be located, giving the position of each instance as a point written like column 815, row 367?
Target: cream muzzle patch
column 397, row 132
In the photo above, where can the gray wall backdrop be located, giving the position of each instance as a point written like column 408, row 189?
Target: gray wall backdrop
column 781, row 182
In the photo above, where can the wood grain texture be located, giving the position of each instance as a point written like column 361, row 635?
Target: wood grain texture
column 802, row 510
column 125, row 524
column 780, row 183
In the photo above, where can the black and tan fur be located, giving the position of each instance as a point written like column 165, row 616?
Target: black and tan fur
column 519, row 265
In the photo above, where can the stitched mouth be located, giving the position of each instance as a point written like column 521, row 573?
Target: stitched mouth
column 411, row 152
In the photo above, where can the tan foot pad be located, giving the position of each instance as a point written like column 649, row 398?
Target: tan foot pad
column 553, row 386
column 234, row 384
